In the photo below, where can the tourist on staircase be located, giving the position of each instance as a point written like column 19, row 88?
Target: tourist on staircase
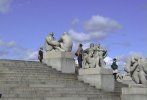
column 114, row 67
column 40, row 54
column 79, row 54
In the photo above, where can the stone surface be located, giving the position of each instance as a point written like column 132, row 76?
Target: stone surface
column 137, row 68
column 29, row 80
column 93, row 57
column 64, row 44
column 127, row 80
column 134, row 92
column 101, row 78
column 61, row 61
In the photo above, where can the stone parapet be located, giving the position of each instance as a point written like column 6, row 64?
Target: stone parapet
column 61, row 61
column 101, row 78
column 134, row 92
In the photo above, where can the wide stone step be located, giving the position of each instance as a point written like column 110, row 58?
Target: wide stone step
column 16, row 98
column 65, row 98
column 48, row 98
column 48, row 93
column 19, row 75
column 27, row 68
column 17, row 64
column 23, row 80
column 29, row 95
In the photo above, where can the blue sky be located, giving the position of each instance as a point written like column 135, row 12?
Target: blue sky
column 119, row 25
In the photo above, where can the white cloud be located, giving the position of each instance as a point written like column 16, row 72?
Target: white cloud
column 125, row 57
column 124, row 44
column 11, row 50
column 97, row 28
column 100, row 23
column 80, row 37
column 84, row 37
column 75, row 22
column 31, row 55
column 11, row 44
column 108, row 61
column 5, row 5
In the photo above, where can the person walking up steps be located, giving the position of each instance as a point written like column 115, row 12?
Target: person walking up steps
column 114, row 67
column 79, row 55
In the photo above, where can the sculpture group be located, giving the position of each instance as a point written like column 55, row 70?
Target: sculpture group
column 93, row 57
column 64, row 44
column 137, row 68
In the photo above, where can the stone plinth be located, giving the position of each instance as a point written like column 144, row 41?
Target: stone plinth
column 127, row 80
column 101, row 78
column 61, row 61
column 134, row 92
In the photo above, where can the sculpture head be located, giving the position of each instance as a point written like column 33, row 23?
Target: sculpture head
column 114, row 60
column 98, row 45
column 80, row 45
column 91, row 45
column 65, row 33
column 41, row 48
column 51, row 33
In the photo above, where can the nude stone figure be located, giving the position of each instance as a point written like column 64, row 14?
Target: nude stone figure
column 94, row 56
column 51, row 43
column 137, row 67
column 64, row 44
column 88, row 58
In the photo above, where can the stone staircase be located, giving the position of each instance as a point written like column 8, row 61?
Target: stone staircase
column 30, row 80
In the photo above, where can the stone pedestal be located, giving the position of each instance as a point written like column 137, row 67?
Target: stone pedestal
column 127, row 80
column 134, row 92
column 61, row 61
column 101, row 78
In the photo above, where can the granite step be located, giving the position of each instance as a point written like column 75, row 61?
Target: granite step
column 29, row 80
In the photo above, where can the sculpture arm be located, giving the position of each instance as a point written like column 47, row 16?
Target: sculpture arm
column 133, row 68
column 86, row 50
column 60, row 40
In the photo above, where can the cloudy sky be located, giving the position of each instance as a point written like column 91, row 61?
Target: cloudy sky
column 118, row 25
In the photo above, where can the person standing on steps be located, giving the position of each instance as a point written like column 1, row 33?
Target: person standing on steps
column 114, row 67
column 79, row 55
column 40, row 54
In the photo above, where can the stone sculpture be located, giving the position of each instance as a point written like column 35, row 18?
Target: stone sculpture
column 64, row 44
column 93, row 57
column 137, row 68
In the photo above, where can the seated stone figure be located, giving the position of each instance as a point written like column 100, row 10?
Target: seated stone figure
column 94, row 57
column 51, row 43
column 137, row 67
column 64, row 44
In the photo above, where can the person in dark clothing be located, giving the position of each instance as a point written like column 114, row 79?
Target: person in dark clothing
column 40, row 54
column 114, row 67
column 79, row 55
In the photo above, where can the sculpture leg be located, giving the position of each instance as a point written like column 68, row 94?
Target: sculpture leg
column 142, row 78
column 101, row 62
column 97, row 62
column 135, row 77
column 59, row 49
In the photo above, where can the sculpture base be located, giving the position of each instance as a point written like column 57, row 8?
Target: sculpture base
column 101, row 78
column 61, row 61
column 127, row 80
column 134, row 92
